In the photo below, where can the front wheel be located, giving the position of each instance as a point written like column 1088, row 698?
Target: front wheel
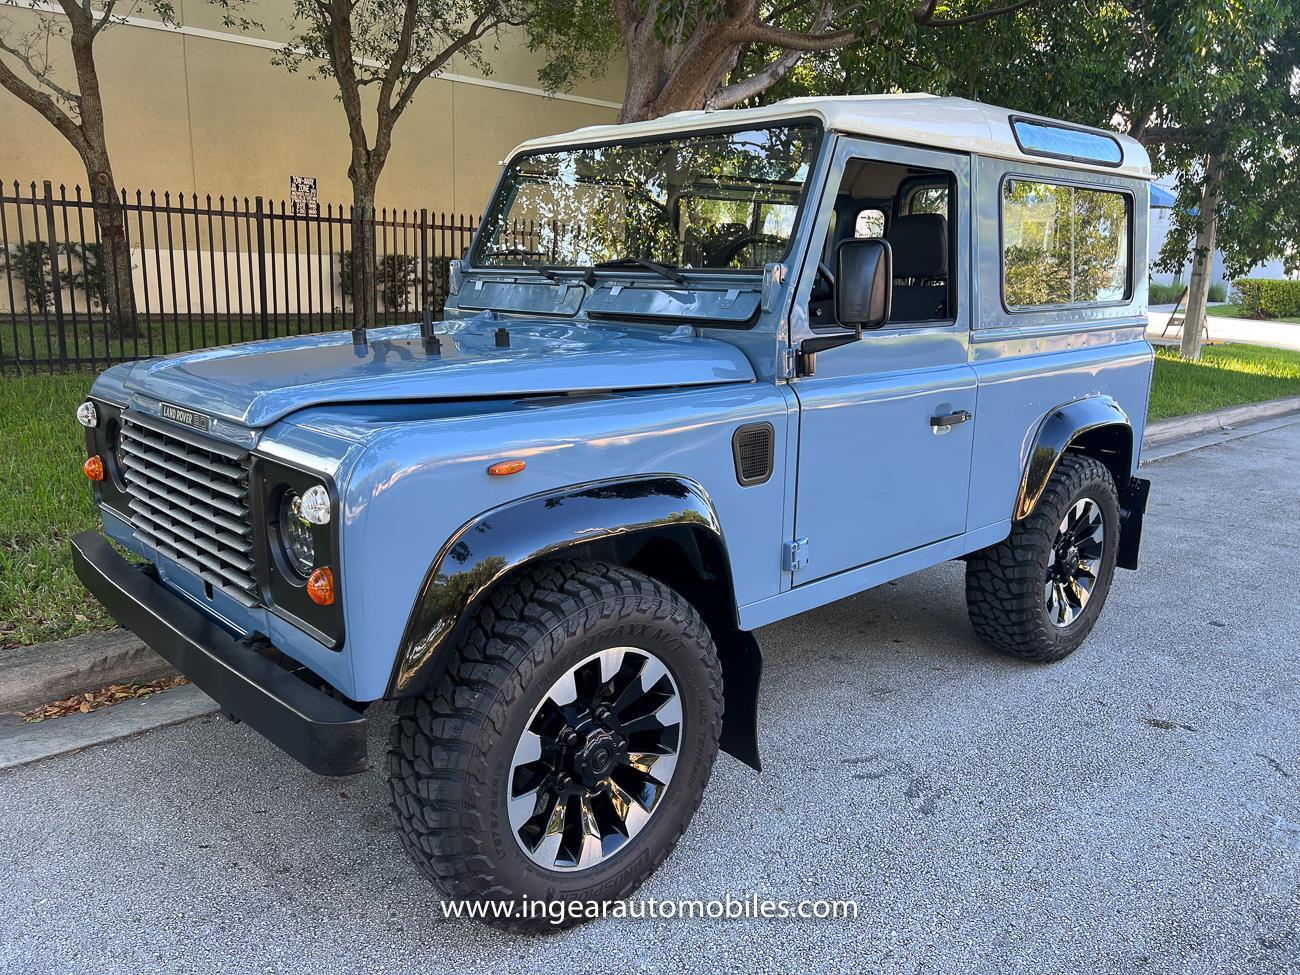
column 1037, row 594
column 567, row 748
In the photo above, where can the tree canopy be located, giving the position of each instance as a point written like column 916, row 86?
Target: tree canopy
column 683, row 54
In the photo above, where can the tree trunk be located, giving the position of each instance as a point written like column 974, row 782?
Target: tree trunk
column 662, row 80
column 645, row 77
column 364, row 288
column 1198, row 291
column 119, row 294
column 115, row 253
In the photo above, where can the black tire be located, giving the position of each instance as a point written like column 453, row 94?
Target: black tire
column 1005, row 583
column 451, row 750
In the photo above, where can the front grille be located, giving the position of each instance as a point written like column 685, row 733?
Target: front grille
column 189, row 501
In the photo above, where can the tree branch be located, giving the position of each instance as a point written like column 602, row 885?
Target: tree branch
column 1171, row 135
column 793, row 40
column 925, row 16
column 41, row 76
column 757, row 83
column 105, row 18
column 47, row 107
column 488, row 20
column 397, row 63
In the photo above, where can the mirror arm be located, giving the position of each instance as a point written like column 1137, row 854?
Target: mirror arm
column 806, row 361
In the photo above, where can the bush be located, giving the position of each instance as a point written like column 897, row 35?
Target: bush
column 1164, row 294
column 1268, row 298
column 30, row 263
column 398, row 274
column 1167, row 294
column 91, row 277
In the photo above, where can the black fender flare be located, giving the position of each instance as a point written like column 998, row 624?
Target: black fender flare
column 1061, row 427
column 498, row 542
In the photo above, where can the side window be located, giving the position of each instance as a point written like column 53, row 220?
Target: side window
column 913, row 209
column 929, row 199
column 870, row 223
column 1063, row 245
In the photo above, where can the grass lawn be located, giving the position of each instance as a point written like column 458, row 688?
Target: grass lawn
column 1229, row 310
column 44, row 497
column 44, row 500
column 1227, row 375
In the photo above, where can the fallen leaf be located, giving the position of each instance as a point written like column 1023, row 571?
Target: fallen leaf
column 103, row 697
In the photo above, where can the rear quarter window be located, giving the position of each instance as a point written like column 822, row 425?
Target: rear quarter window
column 1064, row 245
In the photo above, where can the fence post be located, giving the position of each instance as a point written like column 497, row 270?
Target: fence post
column 424, row 262
column 261, row 269
column 55, row 283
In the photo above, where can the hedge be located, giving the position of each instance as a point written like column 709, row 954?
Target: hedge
column 1167, row 294
column 1268, row 298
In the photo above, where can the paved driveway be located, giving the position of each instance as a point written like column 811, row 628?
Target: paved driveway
column 1133, row 809
column 1281, row 335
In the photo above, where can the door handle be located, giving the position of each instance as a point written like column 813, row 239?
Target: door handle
column 942, row 424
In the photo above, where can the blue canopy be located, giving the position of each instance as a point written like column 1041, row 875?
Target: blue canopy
column 1161, row 198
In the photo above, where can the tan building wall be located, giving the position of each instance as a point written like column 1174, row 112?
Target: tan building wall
column 202, row 109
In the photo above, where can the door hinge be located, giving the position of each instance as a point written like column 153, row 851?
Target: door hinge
column 796, row 554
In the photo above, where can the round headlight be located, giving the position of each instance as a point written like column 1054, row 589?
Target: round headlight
column 314, row 506
column 87, row 415
column 296, row 535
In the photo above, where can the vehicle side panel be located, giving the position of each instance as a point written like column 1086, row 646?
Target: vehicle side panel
column 420, row 481
column 1017, row 392
column 1029, row 362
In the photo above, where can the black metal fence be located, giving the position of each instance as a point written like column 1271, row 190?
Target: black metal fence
column 204, row 273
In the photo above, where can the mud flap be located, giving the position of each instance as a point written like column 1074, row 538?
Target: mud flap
column 742, row 670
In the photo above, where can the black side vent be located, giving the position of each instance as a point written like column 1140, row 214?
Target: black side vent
column 752, row 447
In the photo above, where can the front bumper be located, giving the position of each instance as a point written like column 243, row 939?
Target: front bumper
column 320, row 731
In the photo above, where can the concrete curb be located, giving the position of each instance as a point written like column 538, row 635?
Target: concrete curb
column 21, row 744
column 50, row 671
column 1165, row 431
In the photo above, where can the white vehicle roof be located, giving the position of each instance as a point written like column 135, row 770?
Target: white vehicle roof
column 925, row 120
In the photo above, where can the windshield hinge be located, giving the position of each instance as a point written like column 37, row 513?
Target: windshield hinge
column 788, row 361
column 455, row 275
column 773, row 278
column 796, row 554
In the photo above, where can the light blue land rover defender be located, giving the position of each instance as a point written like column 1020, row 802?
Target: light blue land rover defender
column 696, row 375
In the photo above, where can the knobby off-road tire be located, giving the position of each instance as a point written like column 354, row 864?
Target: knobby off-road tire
column 1009, row 586
column 457, row 754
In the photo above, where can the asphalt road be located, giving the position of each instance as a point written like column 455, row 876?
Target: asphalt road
column 1135, row 808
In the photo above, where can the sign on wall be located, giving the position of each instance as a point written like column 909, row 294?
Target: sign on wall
column 302, row 196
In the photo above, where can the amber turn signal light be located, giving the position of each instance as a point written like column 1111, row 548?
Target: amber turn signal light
column 320, row 586
column 503, row 467
column 94, row 468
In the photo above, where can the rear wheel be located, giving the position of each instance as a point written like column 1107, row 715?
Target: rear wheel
column 1038, row 594
column 565, row 751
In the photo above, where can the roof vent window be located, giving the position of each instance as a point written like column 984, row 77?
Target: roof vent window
column 1065, row 142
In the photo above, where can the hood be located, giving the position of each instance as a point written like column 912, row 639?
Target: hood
column 255, row 384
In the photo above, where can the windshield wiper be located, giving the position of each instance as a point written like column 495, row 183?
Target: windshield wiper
column 668, row 271
column 528, row 258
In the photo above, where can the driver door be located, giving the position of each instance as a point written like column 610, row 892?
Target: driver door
column 886, row 424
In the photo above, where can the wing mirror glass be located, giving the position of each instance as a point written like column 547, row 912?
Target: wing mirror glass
column 864, row 282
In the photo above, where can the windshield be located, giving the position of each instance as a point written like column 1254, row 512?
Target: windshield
column 711, row 200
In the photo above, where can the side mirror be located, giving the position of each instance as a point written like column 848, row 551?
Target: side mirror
column 864, row 289
column 864, row 282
